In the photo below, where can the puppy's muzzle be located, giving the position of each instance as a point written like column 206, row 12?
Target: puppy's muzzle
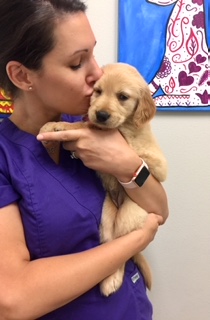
column 102, row 116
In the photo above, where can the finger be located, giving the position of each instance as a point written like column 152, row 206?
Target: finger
column 158, row 218
column 68, row 135
column 69, row 145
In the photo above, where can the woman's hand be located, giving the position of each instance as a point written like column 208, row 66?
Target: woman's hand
column 151, row 226
column 105, row 151
column 108, row 152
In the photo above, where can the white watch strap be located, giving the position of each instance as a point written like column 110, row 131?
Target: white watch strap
column 132, row 184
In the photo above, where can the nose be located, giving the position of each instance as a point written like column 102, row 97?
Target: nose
column 102, row 116
column 95, row 73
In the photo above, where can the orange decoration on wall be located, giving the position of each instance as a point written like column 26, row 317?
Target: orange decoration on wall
column 6, row 103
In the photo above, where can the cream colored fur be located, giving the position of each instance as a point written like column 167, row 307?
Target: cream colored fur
column 122, row 96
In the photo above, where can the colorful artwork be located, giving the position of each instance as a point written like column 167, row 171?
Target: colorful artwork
column 6, row 104
column 168, row 41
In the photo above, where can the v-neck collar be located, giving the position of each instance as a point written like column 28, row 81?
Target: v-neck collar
column 29, row 141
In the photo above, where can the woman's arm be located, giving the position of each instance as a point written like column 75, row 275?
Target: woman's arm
column 151, row 196
column 30, row 289
column 107, row 151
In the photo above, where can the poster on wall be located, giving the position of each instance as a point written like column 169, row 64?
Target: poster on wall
column 6, row 104
column 168, row 42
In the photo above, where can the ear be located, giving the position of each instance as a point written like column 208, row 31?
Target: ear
column 19, row 75
column 146, row 108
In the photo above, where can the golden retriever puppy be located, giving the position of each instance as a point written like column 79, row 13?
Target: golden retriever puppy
column 122, row 100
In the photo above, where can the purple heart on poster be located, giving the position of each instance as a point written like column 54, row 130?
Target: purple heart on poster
column 203, row 97
column 193, row 67
column 200, row 58
column 184, row 79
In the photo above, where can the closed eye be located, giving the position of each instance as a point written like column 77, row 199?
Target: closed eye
column 76, row 67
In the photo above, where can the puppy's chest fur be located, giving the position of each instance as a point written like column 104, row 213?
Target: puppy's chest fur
column 143, row 142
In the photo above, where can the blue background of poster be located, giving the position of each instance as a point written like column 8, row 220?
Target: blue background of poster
column 142, row 35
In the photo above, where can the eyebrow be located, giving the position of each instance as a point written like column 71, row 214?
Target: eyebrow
column 82, row 50
column 79, row 51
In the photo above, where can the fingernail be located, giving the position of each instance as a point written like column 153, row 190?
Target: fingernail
column 40, row 136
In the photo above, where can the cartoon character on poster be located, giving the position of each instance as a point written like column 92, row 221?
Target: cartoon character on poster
column 182, row 77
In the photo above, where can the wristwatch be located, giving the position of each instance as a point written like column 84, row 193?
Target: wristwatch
column 139, row 177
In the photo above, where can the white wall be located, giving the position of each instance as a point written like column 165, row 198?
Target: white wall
column 180, row 254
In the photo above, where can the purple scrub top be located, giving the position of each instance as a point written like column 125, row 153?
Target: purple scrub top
column 61, row 208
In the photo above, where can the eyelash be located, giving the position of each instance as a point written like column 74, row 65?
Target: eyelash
column 74, row 68
column 79, row 65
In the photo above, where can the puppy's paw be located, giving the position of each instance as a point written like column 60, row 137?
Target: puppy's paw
column 52, row 126
column 50, row 146
column 112, row 283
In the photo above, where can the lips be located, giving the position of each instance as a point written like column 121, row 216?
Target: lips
column 89, row 94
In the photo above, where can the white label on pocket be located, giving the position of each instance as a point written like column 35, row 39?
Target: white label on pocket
column 135, row 277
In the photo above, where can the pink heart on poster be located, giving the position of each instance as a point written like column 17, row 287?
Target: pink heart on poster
column 184, row 79
column 199, row 58
column 193, row 67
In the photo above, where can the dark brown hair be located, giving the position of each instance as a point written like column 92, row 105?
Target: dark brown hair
column 27, row 32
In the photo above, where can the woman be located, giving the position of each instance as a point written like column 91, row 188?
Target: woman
column 50, row 204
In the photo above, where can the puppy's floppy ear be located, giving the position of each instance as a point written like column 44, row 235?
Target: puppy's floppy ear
column 146, row 108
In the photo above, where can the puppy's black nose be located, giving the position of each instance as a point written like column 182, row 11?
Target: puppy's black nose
column 102, row 116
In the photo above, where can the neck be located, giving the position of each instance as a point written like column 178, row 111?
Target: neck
column 30, row 117
column 32, row 120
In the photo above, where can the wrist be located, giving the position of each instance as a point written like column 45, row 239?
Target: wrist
column 142, row 239
column 127, row 168
column 138, row 177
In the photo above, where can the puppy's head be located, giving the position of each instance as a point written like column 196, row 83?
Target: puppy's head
column 121, row 95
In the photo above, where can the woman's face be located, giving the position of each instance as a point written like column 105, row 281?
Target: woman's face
column 69, row 71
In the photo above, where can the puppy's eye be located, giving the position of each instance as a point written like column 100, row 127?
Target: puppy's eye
column 97, row 91
column 122, row 97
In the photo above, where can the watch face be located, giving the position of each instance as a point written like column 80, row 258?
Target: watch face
column 142, row 176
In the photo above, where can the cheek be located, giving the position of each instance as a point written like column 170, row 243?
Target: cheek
column 65, row 89
column 76, row 86
column 63, row 79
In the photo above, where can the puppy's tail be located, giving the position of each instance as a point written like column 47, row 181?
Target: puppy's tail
column 144, row 268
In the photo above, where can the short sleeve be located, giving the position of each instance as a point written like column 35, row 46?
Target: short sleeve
column 7, row 193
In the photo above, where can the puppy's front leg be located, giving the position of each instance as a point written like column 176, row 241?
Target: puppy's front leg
column 51, row 146
column 61, row 126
